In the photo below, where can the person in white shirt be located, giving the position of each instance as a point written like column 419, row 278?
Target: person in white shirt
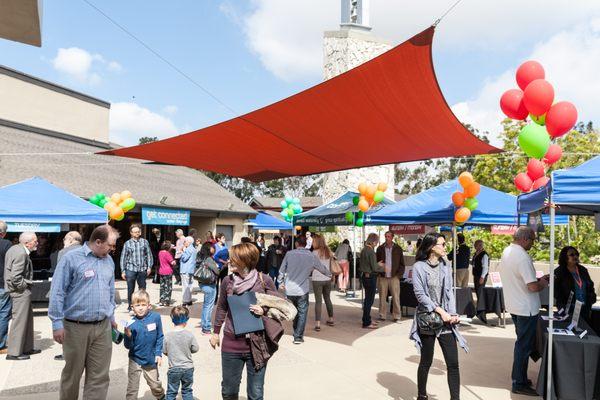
column 520, row 287
column 309, row 240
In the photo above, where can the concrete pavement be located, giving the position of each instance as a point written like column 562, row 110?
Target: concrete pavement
column 340, row 362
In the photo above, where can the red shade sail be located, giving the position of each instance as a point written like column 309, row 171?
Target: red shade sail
column 387, row 110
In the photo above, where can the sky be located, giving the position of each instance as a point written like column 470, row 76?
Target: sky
column 248, row 54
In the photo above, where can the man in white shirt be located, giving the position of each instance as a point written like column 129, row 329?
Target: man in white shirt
column 522, row 300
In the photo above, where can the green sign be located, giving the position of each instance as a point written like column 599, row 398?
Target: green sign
column 323, row 229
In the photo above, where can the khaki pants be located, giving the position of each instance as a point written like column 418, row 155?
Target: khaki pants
column 86, row 347
column 391, row 285
column 20, row 337
column 151, row 376
column 462, row 277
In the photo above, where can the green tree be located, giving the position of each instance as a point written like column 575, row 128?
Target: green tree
column 147, row 139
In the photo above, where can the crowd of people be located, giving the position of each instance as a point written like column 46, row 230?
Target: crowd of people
column 82, row 302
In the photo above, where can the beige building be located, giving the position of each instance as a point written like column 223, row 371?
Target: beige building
column 54, row 132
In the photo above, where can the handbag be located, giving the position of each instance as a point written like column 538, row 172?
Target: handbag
column 204, row 274
column 430, row 322
column 334, row 266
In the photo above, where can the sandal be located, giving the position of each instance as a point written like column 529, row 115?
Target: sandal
column 318, row 328
column 330, row 323
column 372, row 326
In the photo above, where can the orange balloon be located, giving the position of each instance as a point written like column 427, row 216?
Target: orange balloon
column 462, row 215
column 116, row 213
column 116, row 198
column 362, row 188
column 382, row 186
column 363, row 205
column 125, row 194
column 458, row 198
column 298, row 227
column 370, row 192
column 472, row 190
column 109, row 205
column 465, row 179
column 362, row 198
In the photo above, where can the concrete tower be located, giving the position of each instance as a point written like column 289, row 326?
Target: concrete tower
column 344, row 49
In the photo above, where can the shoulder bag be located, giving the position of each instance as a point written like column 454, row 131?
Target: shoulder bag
column 334, row 266
column 430, row 323
column 204, row 274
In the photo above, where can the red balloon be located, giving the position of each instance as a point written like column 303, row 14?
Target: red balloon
column 553, row 154
column 523, row 182
column 512, row 104
column 528, row 72
column 561, row 118
column 535, row 169
column 541, row 182
column 538, row 97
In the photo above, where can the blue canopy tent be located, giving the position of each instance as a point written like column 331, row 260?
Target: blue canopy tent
column 434, row 207
column 334, row 212
column 574, row 191
column 36, row 204
column 268, row 222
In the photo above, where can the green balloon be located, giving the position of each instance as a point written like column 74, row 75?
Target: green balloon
column 379, row 196
column 290, row 212
column 360, row 214
column 471, row 203
column 534, row 140
column 541, row 120
column 349, row 216
column 355, row 200
column 102, row 202
column 360, row 222
column 127, row 204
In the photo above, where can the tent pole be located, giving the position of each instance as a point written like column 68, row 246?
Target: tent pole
column 354, row 254
column 550, row 305
column 293, row 233
column 454, row 251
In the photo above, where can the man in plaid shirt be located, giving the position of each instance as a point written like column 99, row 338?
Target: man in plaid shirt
column 136, row 261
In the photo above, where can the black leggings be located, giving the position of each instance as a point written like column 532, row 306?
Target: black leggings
column 448, row 344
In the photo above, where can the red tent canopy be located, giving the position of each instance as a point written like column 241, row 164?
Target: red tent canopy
column 387, row 110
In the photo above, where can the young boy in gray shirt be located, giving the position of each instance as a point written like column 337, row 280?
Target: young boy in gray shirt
column 178, row 346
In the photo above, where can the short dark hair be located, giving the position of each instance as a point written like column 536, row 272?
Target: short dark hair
column 276, row 238
column 102, row 233
column 166, row 245
column 219, row 235
column 461, row 238
column 180, row 315
column 301, row 240
column 245, row 239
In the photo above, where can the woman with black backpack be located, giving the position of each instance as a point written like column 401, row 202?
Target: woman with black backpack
column 435, row 316
column 206, row 274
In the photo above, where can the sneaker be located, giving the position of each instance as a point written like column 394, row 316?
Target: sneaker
column 59, row 357
column 525, row 390
column 206, row 333
column 397, row 320
column 298, row 341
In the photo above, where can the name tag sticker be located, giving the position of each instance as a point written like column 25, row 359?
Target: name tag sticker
column 89, row 273
column 151, row 327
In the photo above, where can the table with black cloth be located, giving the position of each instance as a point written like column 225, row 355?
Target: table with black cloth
column 490, row 300
column 464, row 299
column 575, row 362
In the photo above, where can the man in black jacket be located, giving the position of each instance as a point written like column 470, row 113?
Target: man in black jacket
column 463, row 256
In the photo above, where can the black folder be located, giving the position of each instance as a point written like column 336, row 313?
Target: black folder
column 243, row 319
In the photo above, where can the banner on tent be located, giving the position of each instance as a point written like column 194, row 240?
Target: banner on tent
column 504, row 229
column 36, row 227
column 323, row 229
column 407, row 229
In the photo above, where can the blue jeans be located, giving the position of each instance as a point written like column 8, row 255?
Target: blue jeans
column 133, row 277
column 301, row 303
column 274, row 273
column 370, row 285
column 233, row 365
column 210, row 293
column 5, row 314
column 525, row 328
column 175, row 376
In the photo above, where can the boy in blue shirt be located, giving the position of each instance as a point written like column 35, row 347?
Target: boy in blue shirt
column 144, row 339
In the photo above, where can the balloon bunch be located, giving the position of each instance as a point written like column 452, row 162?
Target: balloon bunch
column 370, row 195
column 116, row 205
column 290, row 207
column 466, row 200
column 550, row 120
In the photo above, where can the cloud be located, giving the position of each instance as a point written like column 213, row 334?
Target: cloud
column 82, row 66
column 130, row 121
column 570, row 58
column 171, row 109
column 287, row 35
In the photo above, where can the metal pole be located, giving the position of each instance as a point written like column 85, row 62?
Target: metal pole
column 354, row 253
column 569, row 230
column 550, row 306
column 293, row 233
column 454, row 251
